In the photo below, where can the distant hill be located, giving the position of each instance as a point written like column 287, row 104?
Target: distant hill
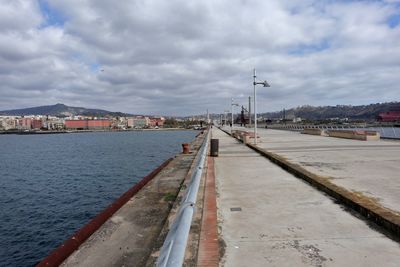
column 61, row 110
column 363, row 112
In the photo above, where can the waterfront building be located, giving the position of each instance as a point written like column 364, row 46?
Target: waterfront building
column 390, row 116
column 102, row 124
column 7, row 123
column 138, row 122
column 24, row 123
column 99, row 124
column 36, row 123
column 157, row 121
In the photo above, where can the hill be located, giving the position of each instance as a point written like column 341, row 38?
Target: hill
column 362, row 112
column 61, row 110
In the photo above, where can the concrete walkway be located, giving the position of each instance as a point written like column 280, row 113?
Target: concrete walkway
column 267, row 217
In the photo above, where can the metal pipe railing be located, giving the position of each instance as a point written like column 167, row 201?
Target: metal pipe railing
column 173, row 250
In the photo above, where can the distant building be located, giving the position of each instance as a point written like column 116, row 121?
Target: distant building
column 88, row 124
column 76, row 124
column 24, row 123
column 7, row 123
column 99, row 124
column 296, row 119
column 138, row 122
column 36, row 124
column 390, row 116
column 157, row 121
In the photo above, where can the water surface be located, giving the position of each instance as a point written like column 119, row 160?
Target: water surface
column 51, row 185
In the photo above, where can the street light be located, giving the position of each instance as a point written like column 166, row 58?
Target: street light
column 264, row 84
column 225, row 112
column 232, row 104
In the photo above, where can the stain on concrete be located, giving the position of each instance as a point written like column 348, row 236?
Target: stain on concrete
column 310, row 253
column 323, row 165
column 222, row 247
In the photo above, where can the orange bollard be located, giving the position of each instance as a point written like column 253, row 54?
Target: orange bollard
column 185, row 148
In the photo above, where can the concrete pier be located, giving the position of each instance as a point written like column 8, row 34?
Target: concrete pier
column 129, row 236
column 369, row 168
column 268, row 217
column 254, row 209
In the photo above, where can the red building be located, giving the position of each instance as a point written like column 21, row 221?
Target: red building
column 156, row 121
column 88, row 124
column 390, row 116
column 76, row 124
column 99, row 124
column 25, row 123
column 37, row 124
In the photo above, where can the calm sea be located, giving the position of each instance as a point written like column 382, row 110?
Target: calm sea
column 51, row 185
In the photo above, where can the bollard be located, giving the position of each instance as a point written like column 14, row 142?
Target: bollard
column 185, row 148
column 246, row 139
column 214, row 147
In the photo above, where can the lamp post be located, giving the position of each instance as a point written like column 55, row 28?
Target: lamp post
column 225, row 112
column 249, row 111
column 265, row 84
column 232, row 104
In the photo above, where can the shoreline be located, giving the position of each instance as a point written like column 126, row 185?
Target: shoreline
column 89, row 131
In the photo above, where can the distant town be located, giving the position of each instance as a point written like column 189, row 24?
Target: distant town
column 41, row 122
column 62, row 118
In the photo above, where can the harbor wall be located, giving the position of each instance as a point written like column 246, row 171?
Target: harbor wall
column 127, row 230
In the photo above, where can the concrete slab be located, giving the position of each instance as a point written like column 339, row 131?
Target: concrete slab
column 267, row 217
column 371, row 168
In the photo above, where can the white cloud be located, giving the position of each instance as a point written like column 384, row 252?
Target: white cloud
column 182, row 57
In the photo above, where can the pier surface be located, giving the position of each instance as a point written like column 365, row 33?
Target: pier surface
column 255, row 213
column 370, row 168
column 268, row 217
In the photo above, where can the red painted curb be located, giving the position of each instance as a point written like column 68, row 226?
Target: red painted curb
column 69, row 246
column 208, row 254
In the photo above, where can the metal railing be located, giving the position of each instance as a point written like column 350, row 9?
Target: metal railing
column 173, row 250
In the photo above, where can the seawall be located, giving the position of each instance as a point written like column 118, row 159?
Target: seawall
column 126, row 232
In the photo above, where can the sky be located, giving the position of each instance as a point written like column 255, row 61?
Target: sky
column 181, row 57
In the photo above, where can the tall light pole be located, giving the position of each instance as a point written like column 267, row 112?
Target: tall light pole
column 225, row 112
column 232, row 104
column 249, row 111
column 265, row 84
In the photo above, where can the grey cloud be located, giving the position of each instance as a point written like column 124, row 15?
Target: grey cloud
column 183, row 57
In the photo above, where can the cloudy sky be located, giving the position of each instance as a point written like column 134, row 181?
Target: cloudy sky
column 183, row 57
